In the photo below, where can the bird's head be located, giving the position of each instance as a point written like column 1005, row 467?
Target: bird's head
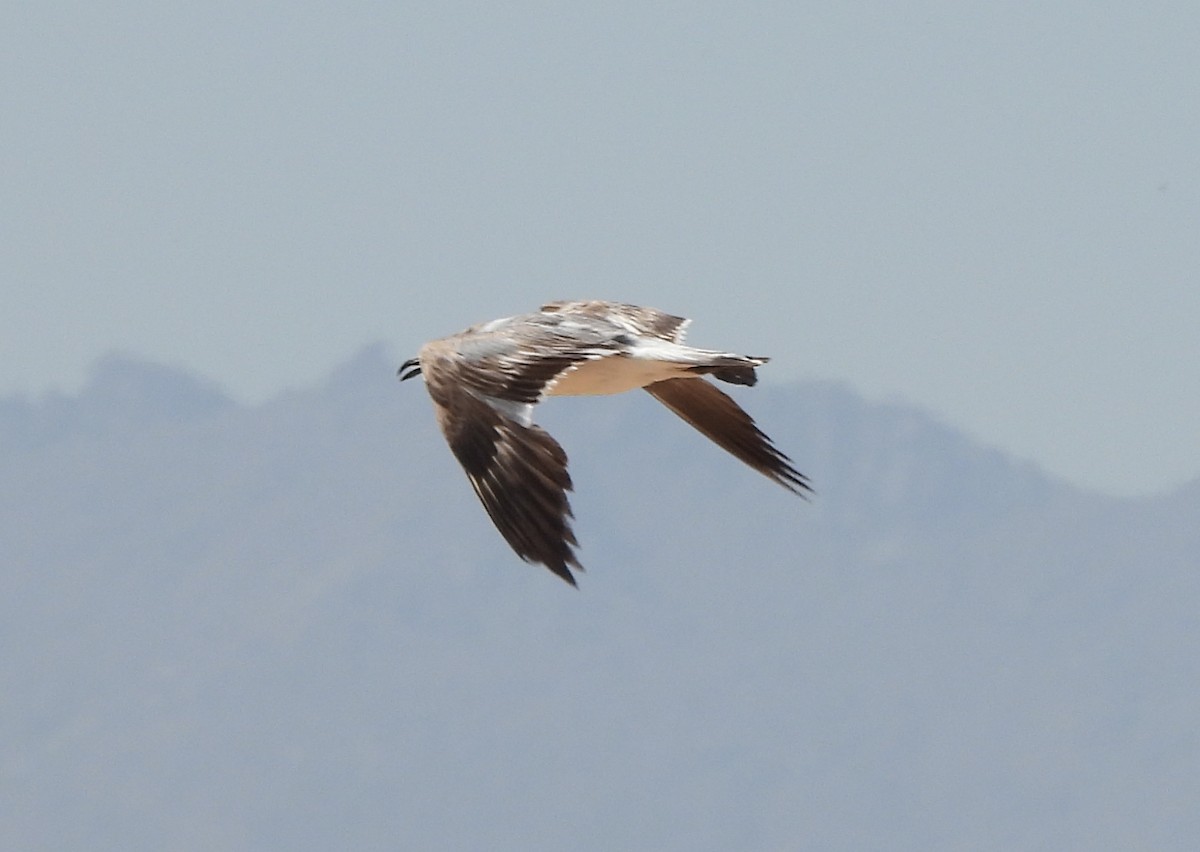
column 410, row 368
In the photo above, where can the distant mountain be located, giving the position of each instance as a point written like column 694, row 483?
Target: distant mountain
column 291, row 626
column 122, row 394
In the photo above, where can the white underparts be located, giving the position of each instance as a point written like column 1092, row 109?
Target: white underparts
column 615, row 374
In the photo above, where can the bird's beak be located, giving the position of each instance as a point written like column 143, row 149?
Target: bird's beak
column 412, row 365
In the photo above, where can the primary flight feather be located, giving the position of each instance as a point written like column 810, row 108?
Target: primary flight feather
column 485, row 381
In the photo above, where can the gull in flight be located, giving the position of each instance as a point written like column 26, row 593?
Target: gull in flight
column 486, row 380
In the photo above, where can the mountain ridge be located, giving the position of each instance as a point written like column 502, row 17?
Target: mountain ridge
column 290, row 625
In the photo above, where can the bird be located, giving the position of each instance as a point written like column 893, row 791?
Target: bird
column 486, row 380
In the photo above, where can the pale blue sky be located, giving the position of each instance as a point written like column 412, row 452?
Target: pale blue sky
column 989, row 210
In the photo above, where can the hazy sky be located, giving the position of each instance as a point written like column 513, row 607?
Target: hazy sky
column 990, row 210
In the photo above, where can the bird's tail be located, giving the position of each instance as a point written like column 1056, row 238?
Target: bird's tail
column 735, row 369
column 726, row 366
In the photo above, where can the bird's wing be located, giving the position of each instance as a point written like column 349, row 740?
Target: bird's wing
column 515, row 362
column 647, row 322
column 518, row 471
column 722, row 420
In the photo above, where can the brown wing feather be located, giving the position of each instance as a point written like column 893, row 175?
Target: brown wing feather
column 505, row 367
column 650, row 322
column 520, row 475
column 722, row 420
column 514, row 379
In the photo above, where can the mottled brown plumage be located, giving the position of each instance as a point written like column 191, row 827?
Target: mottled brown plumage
column 485, row 381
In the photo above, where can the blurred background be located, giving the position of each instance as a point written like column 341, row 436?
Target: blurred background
column 248, row 600
column 987, row 211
